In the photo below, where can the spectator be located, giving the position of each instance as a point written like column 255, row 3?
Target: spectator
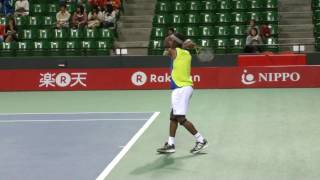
column 98, row 3
column 94, row 18
column 63, row 17
column 252, row 24
column 167, row 39
column 22, row 8
column 109, row 16
column 253, row 42
column 80, row 18
column 265, row 32
column 10, row 30
column 7, row 7
column 2, row 32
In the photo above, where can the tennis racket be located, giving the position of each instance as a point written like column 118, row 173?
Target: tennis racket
column 204, row 54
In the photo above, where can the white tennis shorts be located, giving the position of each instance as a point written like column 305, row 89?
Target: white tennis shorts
column 180, row 98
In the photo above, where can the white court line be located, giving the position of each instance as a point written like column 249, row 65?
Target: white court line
column 127, row 147
column 60, row 113
column 68, row 120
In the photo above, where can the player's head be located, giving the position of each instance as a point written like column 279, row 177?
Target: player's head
column 176, row 40
column 170, row 31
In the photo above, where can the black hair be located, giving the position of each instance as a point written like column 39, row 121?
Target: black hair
column 181, row 37
column 63, row 5
column 255, row 30
column 171, row 29
column 81, row 8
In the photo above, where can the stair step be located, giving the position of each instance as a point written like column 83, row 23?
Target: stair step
column 296, row 40
column 138, row 12
column 134, row 34
column 301, row 27
column 296, row 21
column 136, row 19
column 135, row 25
column 141, row 1
column 295, row 34
column 293, row 15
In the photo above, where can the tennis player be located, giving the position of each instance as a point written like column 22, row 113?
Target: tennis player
column 182, row 86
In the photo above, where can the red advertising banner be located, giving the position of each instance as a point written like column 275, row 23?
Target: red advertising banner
column 158, row 78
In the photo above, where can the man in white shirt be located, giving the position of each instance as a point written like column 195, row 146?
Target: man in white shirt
column 63, row 17
column 22, row 8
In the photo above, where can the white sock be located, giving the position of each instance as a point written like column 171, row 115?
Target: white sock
column 199, row 137
column 171, row 141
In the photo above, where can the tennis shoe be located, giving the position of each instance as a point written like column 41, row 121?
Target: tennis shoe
column 167, row 149
column 199, row 146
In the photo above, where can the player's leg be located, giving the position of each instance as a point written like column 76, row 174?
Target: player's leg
column 169, row 146
column 186, row 93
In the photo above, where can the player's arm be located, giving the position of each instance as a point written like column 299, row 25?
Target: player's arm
column 172, row 53
column 188, row 44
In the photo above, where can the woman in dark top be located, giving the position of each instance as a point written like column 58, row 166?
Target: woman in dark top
column 11, row 31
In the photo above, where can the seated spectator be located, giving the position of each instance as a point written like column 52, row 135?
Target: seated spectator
column 22, row 8
column 265, row 32
column 7, row 8
column 94, row 18
column 98, row 3
column 109, row 16
column 10, row 31
column 252, row 24
column 80, row 18
column 253, row 42
column 63, row 17
column 2, row 32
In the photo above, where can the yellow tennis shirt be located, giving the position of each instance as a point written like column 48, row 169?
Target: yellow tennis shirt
column 181, row 69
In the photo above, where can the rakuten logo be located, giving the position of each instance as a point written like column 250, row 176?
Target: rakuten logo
column 140, row 78
column 249, row 79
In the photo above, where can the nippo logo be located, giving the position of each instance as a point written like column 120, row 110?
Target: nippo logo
column 139, row 78
column 247, row 79
column 269, row 77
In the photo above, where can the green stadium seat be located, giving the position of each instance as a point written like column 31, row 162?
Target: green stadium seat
column 221, row 46
column 239, row 5
column 8, row 49
column 223, row 18
column 239, row 18
column 91, row 34
column 21, row 21
column 56, row 48
column 44, row 34
column 27, row 34
column 37, row 9
column 205, row 42
column 88, row 48
column 60, row 34
column 192, row 18
column 75, row 34
column 258, row 16
column 40, row 48
column 207, row 18
column 208, row 5
column 161, row 20
column 206, row 31
column 191, row 31
column 237, row 45
column 222, row 31
column 177, row 19
column 106, row 34
column 53, row 9
column 72, row 48
column 255, row 4
column 179, row 29
column 272, row 45
column 270, row 16
column 3, row 20
column 193, row 5
column 163, row 6
column 158, row 33
column 34, row 21
column 103, row 48
column 224, row 5
column 238, row 31
column 24, row 48
column 156, row 47
column 316, row 4
column 271, row 4
column 49, row 21
column 71, row 7
column 178, row 6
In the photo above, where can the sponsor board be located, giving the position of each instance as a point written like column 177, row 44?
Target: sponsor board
column 158, row 78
